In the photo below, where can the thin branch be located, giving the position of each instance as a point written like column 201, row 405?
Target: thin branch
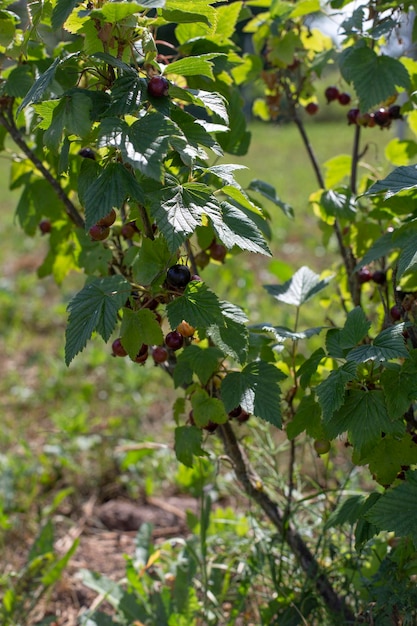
column 70, row 208
column 250, row 483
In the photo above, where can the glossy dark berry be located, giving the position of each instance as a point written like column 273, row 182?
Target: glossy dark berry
column 158, row 86
column 312, row 108
column 99, row 233
column 117, row 348
column 344, row 98
column 108, row 220
column 352, row 116
column 382, row 118
column 159, row 354
column 174, row 340
column 243, row 417
column 394, row 112
column 45, row 226
column 87, row 153
column 178, row 276
column 395, row 313
column 379, row 277
column 142, row 355
column 218, row 252
column 331, row 93
column 364, row 275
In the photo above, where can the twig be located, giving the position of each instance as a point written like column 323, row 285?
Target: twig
column 249, row 481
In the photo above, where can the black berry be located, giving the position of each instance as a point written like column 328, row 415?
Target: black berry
column 382, row 118
column 394, row 112
column 379, row 277
column 87, row 153
column 178, row 276
column 45, row 226
column 174, row 340
column 395, row 313
column 331, row 93
column 352, row 116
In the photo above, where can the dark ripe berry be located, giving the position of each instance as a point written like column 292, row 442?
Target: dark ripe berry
column 87, row 153
column 364, row 275
column 178, row 276
column 312, row 108
column 159, row 354
column 185, row 329
column 395, row 313
column 45, row 226
column 128, row 230
column 218, row 252
column 382, row 118
column 142, row 355
column 379, row 277
column 108, row 220
column 331, row 93
column 352, row 116
column 243, row 417
column 99, row 233
column 211, row 427
column 158, row 86
column 236, row 411
column 394, row 112
column 344, row 98
column 117, row 348
column 174, row 340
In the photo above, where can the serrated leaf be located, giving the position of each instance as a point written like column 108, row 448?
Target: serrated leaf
column 400, row 387
column 339, row 341
column 269, row 192
column 39, row 87
column 300, row 288
column 195, row 360
column 309, row 367
column 407, row 259
column 231, row 337
column 137, row 328
column 126, row 94
column 111, row 187
column 256, row 389
column 94, row 308
column 395, row 510
column 281, row 333
column 374, row 77
column 194, row 66
column 188, row 440
column 331, row 392
column 61, row 11
column 402, row 178
column 207, row 409
column 236, row 229
column 213, row 102
column 198, row 306
column 388, row 456
column 379, row 249
column 363, row 416
column 389, row 344
column 151, row 260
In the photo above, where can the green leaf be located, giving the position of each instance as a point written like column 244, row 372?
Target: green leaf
column 126, row 94
column 346, row 513
column 151, row 260
column 93, row 257
column 309, row 367
column 37, row 90
column 256, row 389
column 203, row 362
column 339, row 341
column 338, row 203
column 213, row 102
column 194, row 66
column 374, row 77
column 388, row 456
column 137, row 328
column 307, row 418
column 94, row 308
column 400, row 387
column 236, row 229
column 331, row 392
column 19, row 81
column 395, row 510
column 389, row 344
column 61, row 11
column 300, row 288
column 111, row 187
column 363, row 416
column 207, row 409
column 380, row 248
column 281, row 333
column 402, row 178
column 231, row 335
column 407, row 259
column 269, row 192
column 188, row 441
column 196, row 11
column 198, row 306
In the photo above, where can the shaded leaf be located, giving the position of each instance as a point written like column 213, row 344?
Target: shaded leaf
column 402, row 178
column 137, row 328
column 331, row 392
column 195, row 360
column 269, row 192
column 188, row 440
column 389, row 344
column 207, row 409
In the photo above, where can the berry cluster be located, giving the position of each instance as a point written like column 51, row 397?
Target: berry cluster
column 331, row 94
column 382, row 117
column 378, row 276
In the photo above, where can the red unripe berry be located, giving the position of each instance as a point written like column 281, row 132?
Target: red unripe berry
column 379, row 277
column 174, row 340
column 202, row 259
column 159, row 354
column 128, row 230
column 45, row 226
column 312, row 108
column 117, row 348
column 142, row 355
column 218, row 252
column 158, row 86
column 352, row 116
column 344, row 98
column 236, row 411
column 364, row 275
column 108, row 220
column 331, row 93
column 395, row 313
column 99, row 233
